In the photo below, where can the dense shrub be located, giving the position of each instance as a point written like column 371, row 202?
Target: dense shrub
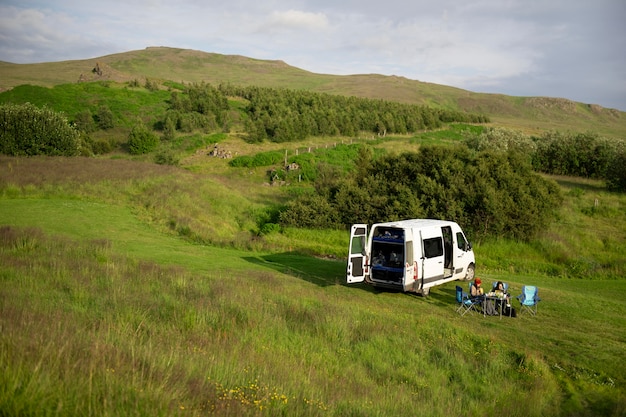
column 576, row 154
column 104, row 118
column 167, row 157
column 489, row 193
column 501, row 139
column 199, row 106
column 141, row 140
column 616, row 172
column 84, row 121
column 28, row 130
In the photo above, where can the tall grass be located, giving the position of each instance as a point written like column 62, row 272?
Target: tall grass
column 87, row 331
column 108, row 306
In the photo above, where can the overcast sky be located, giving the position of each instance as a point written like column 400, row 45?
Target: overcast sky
column 573, row 49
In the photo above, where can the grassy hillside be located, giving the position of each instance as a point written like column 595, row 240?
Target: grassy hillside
column 131, row 288
column 531, row 114
column 125, row 314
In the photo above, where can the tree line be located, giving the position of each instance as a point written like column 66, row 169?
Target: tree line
column 585, row 154
column 283, row 115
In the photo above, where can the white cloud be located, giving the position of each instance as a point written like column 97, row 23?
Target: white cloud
column 523, row 47
column 295, row 19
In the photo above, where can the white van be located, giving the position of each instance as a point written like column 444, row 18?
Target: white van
column 409, row 255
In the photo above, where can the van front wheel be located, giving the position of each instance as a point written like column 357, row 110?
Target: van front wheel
column 469, row 275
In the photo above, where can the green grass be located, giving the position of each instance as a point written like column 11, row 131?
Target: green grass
column 132, row 288
column 126, row 104
column 167, row 339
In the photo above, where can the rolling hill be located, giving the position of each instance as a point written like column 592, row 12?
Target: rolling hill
column 131, row 287
column 531, row 114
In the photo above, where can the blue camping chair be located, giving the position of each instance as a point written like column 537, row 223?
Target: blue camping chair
column 529, row 299
column 465, row 302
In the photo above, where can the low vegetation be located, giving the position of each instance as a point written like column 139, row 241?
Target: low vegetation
column 195, row 268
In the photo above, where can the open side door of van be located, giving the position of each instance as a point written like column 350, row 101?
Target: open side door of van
column 358, row 257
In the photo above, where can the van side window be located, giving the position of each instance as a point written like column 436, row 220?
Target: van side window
column 433, row 247
column 461, row 242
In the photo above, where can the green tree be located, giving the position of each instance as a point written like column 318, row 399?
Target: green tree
column 104, row 118
column 616, row 172
column 141, row 140
column 491, row 193
column 84, row 121
column 28, row 130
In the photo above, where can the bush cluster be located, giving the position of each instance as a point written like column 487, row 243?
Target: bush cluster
column 575, row 154
column 199, row 106
column 26, row 130
column 582, row 155
column 488, row 193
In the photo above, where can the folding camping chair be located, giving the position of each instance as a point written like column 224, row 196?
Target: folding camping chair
column 529, row 299
column 465, row 302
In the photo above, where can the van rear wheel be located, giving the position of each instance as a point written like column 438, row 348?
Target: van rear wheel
column 471, row 273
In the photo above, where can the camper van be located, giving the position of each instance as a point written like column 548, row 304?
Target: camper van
column 409, row 255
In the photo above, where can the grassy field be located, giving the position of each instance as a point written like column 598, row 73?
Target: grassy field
column 131, row 288
column 111, row 305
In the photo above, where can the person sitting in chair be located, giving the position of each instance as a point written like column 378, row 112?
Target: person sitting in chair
column 506, row 309
column 501, row 293
column 476, row 290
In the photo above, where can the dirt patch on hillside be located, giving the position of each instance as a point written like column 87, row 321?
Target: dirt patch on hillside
column 55, row 170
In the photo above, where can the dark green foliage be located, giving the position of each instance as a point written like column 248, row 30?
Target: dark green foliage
column 101, row 147
column 578, row 154
column 151, row 85
column 616, row 172
column 167, row 157
column 488, row 193
column 84, row 121
column 141, row 140
column 29, row 130
column 104, row 118
column 200, row 106
column 169, row 129
column 282, row 115
column 310, row 211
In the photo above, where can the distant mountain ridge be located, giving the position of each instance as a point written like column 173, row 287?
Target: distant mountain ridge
column 531, row 114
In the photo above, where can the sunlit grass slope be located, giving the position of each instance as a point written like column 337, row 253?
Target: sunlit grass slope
column 88, row 328
column 112, row 304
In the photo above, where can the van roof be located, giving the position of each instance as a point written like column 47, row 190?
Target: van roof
column 415, row 223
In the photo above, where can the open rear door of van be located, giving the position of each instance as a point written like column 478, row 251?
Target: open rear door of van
column 358, row 257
